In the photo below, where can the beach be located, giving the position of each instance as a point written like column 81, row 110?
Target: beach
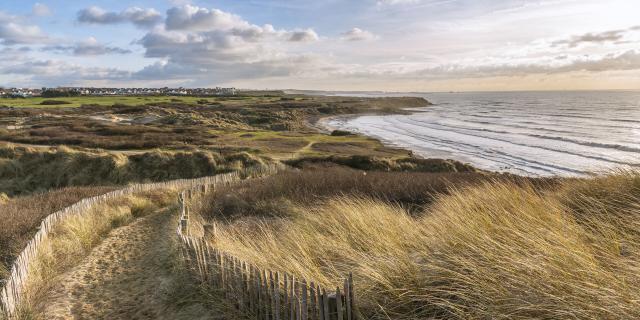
column 527, row 133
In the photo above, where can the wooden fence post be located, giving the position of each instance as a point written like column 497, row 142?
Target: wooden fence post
column 339, row 311
column 303, row 307
column 325, row 305
column 314, row 301
column 293, row 298
column 276, row 293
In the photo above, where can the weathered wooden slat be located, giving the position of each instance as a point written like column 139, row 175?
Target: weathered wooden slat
column 293, row 298
column 267, row 298
column 272, row 294
column 347, row 298
column 276, row 295
column 325, row 305
column 352, row 299
column 339, row 311
column 260, row 296
column 285, row 300
column 304, row 311
column 313, row 302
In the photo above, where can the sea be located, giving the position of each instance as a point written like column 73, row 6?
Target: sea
column 527, row 133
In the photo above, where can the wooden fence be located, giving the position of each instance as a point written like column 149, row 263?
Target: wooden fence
column 13, row 288
column 258, row 293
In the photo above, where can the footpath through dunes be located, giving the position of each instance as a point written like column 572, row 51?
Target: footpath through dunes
column 135, row 273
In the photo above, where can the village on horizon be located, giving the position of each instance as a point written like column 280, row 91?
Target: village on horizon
column 91, row 91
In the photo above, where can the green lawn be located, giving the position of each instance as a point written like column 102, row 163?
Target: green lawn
column 108, row 101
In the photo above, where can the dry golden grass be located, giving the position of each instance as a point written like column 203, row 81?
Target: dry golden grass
column 74, row 239
column 21, row 217
column 497, row 250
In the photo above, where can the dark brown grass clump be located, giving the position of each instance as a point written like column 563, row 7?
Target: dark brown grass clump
column 411, row 190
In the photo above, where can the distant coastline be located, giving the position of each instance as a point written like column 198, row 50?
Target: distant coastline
column 526, row 133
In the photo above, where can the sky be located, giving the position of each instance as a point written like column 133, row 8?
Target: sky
column 386, row 45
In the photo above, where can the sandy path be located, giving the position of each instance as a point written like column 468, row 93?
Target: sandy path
column 129, row 276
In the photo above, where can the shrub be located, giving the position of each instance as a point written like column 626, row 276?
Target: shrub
column 363, row 162
column 53, row 102
column 340, row 133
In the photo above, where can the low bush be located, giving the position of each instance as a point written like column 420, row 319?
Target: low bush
column 340, row 133
column 53, row 102
column 363, row 162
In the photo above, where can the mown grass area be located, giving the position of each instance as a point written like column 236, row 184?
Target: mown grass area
column 456, row 246
column 21, row 217
column 74, row 102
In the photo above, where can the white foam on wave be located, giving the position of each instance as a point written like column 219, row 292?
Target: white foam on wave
column 540, row 134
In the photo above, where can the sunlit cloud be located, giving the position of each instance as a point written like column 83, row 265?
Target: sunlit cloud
column 138, row 16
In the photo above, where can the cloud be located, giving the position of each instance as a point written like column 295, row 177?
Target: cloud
column 397, row 2
column 622, row 61
column 357, row 34
column 41, row 10
column 614, row 36
column 205, row 44
column 52, row 72
column 89, row 47
column 15, row 30
column 307, row 35
column 143, row 18
column 194, row 18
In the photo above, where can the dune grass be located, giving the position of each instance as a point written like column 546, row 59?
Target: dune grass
column 488, row 250
column 24, row 170
column 74, row 239
column 273, row 196
column 21, row 217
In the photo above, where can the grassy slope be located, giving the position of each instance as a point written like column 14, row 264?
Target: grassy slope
column 24, row 170
column 491, row 250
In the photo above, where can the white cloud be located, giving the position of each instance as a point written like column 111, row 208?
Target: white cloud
column 194, row 18
column 140, row 17
column 54, row 72
column 357, row 34
column 41, row 10
column 307, row 35
column 595, row 38
column 88, row 47
column 203, row 44
column 397, row 2
column 620, row 61
column 16, row 30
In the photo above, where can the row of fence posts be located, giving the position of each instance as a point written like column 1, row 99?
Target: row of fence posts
column 13, row 287
column 257, row 293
